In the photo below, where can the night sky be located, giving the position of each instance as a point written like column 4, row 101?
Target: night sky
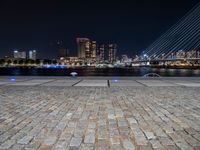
column 132, row 24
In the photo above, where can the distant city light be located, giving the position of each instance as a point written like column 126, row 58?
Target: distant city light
column 145, row 55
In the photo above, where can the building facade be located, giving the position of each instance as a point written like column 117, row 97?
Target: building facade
column 87, row 49
column 93, row 49
column 19, row 55
column 63, row 52
column 112, row 50
column 101, row 53
column 32, row 54
column 83, row 47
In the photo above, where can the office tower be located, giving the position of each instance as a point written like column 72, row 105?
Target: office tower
column 93, row 49
column 112, row 49
column 83, row 47
column 87, row 49
column 101, row 53
column 32, row 54
column 63, row 52
column 18, row 54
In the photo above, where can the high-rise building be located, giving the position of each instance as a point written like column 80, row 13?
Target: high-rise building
column 18, row 54
column 101, row 52
column 86, row 48
column 63, row 52
column 32, row 54
column 93, row 49
column 112, row 50
column 83, row 47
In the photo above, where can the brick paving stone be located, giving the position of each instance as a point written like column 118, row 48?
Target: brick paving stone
column 132, row 121
column 166, row 141
column 128, row 145
column 149, row 135
column 87, row 147
column 141, row 140
column 60, row 145
column 17, row 147
column 92, row 125
column 184, row 146
column 146, row 147
column 89, row 138
column 25, row 140
column 103, row 144
column 8, row 144
column 79, row 132
column 33, row 145
column 4, row 137
column 115, row 140
column 156, row 144
column 116, row 147
column 193, row 142
column 75, row 143
column 50, row 140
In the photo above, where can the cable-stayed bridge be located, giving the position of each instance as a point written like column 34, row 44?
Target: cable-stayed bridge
column 180, row 42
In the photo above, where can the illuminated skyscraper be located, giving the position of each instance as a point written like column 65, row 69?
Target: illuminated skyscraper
column 112, row 50
column 93, row 49
column 18, row 54
column 86, row 48
column 63, row 52
column 32, row 54
column 83, row 47
column 101, row 53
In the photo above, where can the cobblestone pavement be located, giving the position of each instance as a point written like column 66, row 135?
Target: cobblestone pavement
column 86, row 118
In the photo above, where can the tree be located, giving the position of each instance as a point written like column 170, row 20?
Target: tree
column 46, row 61
column 27, row 61
column 9, row 62
column 2, row 61
column 15, row 62
column 37, row 61
column 32, row 61
column 54, row 62
column 21, row 61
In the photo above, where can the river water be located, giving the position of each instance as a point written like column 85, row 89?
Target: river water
column 138, row 71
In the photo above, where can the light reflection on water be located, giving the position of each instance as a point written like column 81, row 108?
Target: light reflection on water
column 197, row 72
column 100, row 72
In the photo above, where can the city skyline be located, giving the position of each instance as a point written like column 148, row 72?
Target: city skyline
column 41, row 25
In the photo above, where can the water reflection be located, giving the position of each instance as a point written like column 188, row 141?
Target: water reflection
column 99, row 71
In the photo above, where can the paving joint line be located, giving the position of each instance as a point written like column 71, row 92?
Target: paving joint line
column 45, row 83
column 141, row 83
column 77, row 82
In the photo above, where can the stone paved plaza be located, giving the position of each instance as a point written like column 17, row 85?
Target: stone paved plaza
column 61, row 114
